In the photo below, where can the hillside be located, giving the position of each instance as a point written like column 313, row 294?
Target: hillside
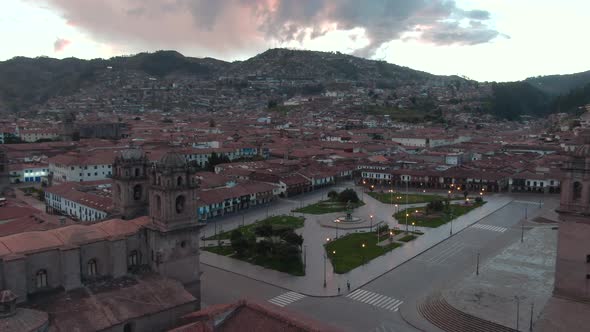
column 560, row 84
column 26, row 82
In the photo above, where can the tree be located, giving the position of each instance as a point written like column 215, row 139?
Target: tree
column 333, row 194
column 292, row 238
column 287, row 252
column 348, row 195
column 465, row 194
column 264, row 248
column 216, row 159
column 478, row 199
column 264, row 230
column 435, row 206
column 239, row 242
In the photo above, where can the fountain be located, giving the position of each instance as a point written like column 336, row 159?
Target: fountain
column 348, row 218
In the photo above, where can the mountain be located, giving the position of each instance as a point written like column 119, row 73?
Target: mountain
column 556, row 85
column 26, row 82
column 573, row 100
column 510, row 100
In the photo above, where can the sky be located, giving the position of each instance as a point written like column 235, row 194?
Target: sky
column 485, row 40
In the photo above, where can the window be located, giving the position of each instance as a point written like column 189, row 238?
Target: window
column 137, row 191
column 179, row 181
column 92, row 271
column 577, row 191
column 133, row 258
column 137, row 172
column 180, row 200
column 587, row 258
column 41, row 279
column 158, row 204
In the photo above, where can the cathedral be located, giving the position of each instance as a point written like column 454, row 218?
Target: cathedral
column 154, row 243
column 569, row 307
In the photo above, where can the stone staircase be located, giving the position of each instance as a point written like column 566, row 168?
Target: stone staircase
column 447, row 318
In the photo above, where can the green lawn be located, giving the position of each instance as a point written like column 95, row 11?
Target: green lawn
column 276, row 222
column 327, row 206
column 274, row 263
column 400, row 198
column 222, row 250
column 350, row 252
column 436, row 219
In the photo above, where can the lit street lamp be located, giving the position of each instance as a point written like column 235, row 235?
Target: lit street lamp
column 363, row 252
column 371, row 222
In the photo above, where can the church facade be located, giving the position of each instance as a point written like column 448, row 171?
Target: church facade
column 165, row 241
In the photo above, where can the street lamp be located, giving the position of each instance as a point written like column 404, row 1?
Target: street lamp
column 371, row 222
column 324, row 270
column 414, row 226
column 363, row 252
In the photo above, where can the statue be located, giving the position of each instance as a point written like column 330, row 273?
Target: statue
column 348, row 211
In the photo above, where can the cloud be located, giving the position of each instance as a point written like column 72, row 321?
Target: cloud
column 234, row 26
column 60, row 44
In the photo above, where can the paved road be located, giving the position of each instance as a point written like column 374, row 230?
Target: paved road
column 401, row 288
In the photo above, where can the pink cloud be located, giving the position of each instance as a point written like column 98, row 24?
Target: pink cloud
column 227, row 27
column 60, row 44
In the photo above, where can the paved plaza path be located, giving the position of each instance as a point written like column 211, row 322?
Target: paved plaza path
column 315, row 237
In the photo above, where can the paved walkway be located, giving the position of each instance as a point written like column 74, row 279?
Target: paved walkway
column 524, row 270
column 315, row 237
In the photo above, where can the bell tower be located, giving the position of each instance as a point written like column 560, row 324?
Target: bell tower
column 572, row 270
column 173, row 234
column 130, row 180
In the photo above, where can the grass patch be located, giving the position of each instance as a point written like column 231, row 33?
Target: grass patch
column 327, row 206
column 423, row 218
column 400, row 198
column 350, row 252
column 220, row 250
column 408, row 238
column 276, row 222
column 274, row 263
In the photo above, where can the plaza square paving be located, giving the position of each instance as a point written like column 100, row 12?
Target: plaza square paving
column 315, row 237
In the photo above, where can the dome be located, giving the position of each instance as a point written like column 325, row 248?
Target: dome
column 132, row 154
column 172, row 159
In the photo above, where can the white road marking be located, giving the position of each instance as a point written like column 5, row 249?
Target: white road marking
column 374, row 299
column 286, row 299
column 490, row 228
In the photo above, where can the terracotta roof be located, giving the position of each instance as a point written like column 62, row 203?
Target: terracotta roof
column 249, row 316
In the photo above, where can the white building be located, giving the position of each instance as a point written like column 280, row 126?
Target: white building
column 80, row 167
column 82, row 202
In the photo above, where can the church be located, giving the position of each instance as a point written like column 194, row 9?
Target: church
column 138, row 272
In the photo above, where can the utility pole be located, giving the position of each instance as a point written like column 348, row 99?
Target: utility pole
column 522, row 233
column 324, row 270
column 531, row 323
column 407, row 209
column 517, row 311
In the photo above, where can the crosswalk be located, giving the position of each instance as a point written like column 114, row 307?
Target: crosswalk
column 286, row 298
column 378, row 300
column 490, row 228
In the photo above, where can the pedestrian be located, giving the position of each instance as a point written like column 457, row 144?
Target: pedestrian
column 348, row 285
column 338, row 289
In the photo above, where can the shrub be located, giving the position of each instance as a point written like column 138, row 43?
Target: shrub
column 435, row 206
column 292, row 238
column 239, row 243
column 348, row 195
column 333, row 194
column 478, row 199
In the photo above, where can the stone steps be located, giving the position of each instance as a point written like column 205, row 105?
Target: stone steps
column 444, row 316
